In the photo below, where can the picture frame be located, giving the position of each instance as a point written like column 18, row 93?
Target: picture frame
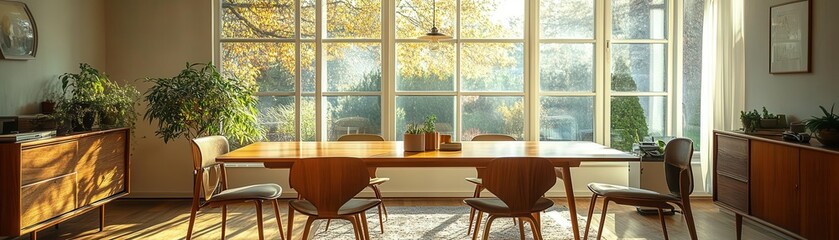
column 789, row 38
column 18, row 32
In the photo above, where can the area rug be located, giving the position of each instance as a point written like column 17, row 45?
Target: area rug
column 447, row 222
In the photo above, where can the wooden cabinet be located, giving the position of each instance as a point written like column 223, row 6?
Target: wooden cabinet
column 48, row 181
column 791, row 187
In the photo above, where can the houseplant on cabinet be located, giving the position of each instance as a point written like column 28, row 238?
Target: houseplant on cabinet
column 825, row 128
column 116, row 107
column 81, row 93
column 414, row 138
column 200, row 102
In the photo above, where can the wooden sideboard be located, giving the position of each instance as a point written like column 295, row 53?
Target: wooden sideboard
column 791, row 187
column 45, row 182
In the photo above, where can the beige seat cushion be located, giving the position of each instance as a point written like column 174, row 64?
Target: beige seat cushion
column 379, row 180
column 624, row 192
column 267, row 191
column 497, row 207
column 354, row 206
column 475, row 180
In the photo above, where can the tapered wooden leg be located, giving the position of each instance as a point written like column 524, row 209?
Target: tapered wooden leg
column 738, row 225
column 290, row 221
column 279, row 218
column 477, row 226
column 590, row 213
column 602, row 217
column 309, row 222
column 356, row 227
column 476, row 194
column 33, row 235
column 572, row 203
column 537, row 231
column 538, row 219
column 663, row 225
column 328, row 221
column 381, row 207
column 379, row 196
column 689, row 217
column 192, row 218
column 486, row 229
column 259, row 219
column 521, row 227
column 223, row 220
column 364, row 225
column 101, row 218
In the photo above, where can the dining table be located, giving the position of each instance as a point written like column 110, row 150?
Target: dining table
column 564, row 155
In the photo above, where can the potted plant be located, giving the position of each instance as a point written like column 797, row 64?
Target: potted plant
column 414, row 138
column 825, row 128
column 116, row 107
column 750, row 120
column 769, row 120
column 81, row 92
column 200, row 102
column 432, row 137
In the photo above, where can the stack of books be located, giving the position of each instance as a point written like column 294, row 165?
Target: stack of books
column 22, row 137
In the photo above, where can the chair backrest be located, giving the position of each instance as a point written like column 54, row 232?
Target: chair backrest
column 519, row 181
column 209, row 175
column 493, row 137
column 677, row 169
column 328, row 183
column 360, row 137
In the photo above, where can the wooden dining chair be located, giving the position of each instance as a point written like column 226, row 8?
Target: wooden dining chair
column 679, row 177
column 519, row 184
column 477, row 180
column 374, row 180
column 327, row 187
column 210, row 180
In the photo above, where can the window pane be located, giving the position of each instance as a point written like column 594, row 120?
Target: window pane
column 353, row 18
column 492, row 67
column 639, row 67
column 567, row 119
column 307, row 19
column 492, row 18
column 567, row 19
column 633, row 118
column 353, row 114
column 270, row 65
column 493, row 115
column 257, row 18
column 414, row 109
column 420, row 68
column 639, row 19
column 692, row 69
column 353, row 67
column 307, row 63
column 276, row 115
column 308, row 124
column 414, row 18
column 566, row 67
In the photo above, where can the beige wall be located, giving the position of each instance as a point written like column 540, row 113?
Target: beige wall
column 69, row 32
column 798, row 95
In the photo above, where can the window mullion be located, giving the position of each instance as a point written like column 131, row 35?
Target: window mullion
column 319, row 111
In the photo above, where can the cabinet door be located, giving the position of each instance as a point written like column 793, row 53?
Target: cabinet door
column 819, row 195
column 774, row 183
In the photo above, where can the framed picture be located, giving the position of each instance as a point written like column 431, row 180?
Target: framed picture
column 789, row 38
column 18, row 34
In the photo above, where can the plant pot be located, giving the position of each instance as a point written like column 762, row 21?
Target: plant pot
column 769, row 123
column 432, row 141
column 828, row 138
column 107, row 121
column 748, row 126
column 47, row 107
column 86, row 123
column 414, row 142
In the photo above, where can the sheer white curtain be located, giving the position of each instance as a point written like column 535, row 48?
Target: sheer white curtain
column 723, row 75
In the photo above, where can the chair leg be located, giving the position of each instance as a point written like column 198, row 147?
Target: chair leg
column 259, row 218
column 602, row 217
column 364, row 226
column 537, row 232
column 663, row 225
column 689, row 217
column 290, row 222
column 486, row 229
column 279, row 218
column 223, row 220
column 382, row 208
column 590, row 213
column 572, row 203
column 355, row 227
column 328, row 221
column 192, row 217
column 309, row 222
column 477, row 226
column 521, row 227
column 476, row 194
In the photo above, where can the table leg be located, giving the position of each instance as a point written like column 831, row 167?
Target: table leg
column 739, row 225
column 572, row 203
column 102, row 217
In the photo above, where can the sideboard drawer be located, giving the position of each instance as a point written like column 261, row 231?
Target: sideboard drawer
column 733, row 156
column 47, row 199
column 733, row 192
column 47, row 162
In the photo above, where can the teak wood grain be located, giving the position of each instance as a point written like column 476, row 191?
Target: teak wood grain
column 733, row 157
column 819, row 195
column 44, row 200
column 774, row 184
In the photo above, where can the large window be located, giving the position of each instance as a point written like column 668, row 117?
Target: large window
column 608, row 71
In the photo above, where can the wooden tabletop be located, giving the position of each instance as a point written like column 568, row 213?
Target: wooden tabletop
column 391, row 154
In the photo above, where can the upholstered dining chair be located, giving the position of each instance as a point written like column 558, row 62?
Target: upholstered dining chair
column 374, row 180
column 679, row 177
column 477, row 181
column 519, row 184
column 327, row 187
column 210, row 180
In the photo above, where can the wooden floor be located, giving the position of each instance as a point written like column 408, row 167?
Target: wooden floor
column 168, row 219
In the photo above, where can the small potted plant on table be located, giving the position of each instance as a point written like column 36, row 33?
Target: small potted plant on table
column 750, row 120
column 414, row 138
column 825, row 128
column 432, row 137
